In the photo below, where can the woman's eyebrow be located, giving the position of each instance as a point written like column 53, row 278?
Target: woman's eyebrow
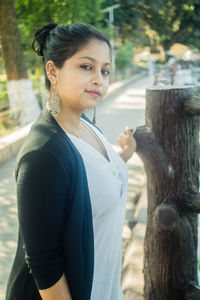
column 92, row 59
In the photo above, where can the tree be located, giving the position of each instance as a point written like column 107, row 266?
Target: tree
column 34, row 14
column 172, row 20
column 23, row 103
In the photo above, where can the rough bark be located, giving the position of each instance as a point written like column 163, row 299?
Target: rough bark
column 22, row 101
column 169, row 148
column 11, row 45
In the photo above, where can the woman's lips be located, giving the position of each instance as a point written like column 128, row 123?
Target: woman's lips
column 94, row 93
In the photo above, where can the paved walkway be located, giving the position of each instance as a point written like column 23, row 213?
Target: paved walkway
column 8, row 222
column 127, row 108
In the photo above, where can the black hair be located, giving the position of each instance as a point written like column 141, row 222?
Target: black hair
column 60, row 42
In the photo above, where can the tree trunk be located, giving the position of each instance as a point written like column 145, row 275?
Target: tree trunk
column 22, row 101
column 169, row 148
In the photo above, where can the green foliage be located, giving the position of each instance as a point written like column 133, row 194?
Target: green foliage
column 174, row 21
column 33, row 14
column 3, row 92
column 124, row 56
column 3, row 99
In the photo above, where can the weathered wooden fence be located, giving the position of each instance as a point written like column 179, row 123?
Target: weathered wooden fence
column 169, row 148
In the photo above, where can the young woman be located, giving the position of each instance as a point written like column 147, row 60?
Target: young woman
column 71, row 184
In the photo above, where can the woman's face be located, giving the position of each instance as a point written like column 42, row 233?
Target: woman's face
column 84, row 78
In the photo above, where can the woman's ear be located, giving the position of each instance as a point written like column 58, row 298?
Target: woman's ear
column 51, row 71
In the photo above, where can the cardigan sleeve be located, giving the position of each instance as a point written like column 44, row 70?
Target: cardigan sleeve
column 42, row 197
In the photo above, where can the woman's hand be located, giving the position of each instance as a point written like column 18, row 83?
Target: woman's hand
column 58, row 291
column 127, row 143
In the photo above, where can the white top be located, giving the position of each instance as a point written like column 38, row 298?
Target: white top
column 108, row 183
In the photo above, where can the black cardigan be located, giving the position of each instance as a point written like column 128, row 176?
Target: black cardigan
column 55, row 216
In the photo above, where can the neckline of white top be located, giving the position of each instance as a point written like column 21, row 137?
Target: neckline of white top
column 94, row 131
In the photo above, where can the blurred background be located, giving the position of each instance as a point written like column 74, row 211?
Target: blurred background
column 145, row 35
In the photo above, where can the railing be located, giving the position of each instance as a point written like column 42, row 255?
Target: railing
column 4, row 107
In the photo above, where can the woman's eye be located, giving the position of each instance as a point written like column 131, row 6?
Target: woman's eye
column 87, row 67
column 106, row 72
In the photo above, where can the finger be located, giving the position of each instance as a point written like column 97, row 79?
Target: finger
column 133, row 130
column 127, row 128
column 128, row 131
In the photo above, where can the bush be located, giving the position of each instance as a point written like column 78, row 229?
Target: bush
column 124, row 56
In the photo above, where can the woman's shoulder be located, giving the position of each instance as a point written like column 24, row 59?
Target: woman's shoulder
column 45, row 138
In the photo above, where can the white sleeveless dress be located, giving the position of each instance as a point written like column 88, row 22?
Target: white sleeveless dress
column 108, row 184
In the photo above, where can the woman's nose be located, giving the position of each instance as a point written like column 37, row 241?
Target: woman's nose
column 98, row 78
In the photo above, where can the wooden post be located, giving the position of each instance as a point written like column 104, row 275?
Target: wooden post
column 169, row 148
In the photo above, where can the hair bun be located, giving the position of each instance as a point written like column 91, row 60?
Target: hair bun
column 40, row 37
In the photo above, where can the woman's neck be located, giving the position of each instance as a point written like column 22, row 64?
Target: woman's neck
column 70, row 121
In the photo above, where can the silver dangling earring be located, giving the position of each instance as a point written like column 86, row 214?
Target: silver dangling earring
column 94, row 116
column 54, row 103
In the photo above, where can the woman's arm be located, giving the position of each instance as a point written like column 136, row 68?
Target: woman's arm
column 127, row 143
column 59, row 291
column 125, row 155
column 42, row 198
